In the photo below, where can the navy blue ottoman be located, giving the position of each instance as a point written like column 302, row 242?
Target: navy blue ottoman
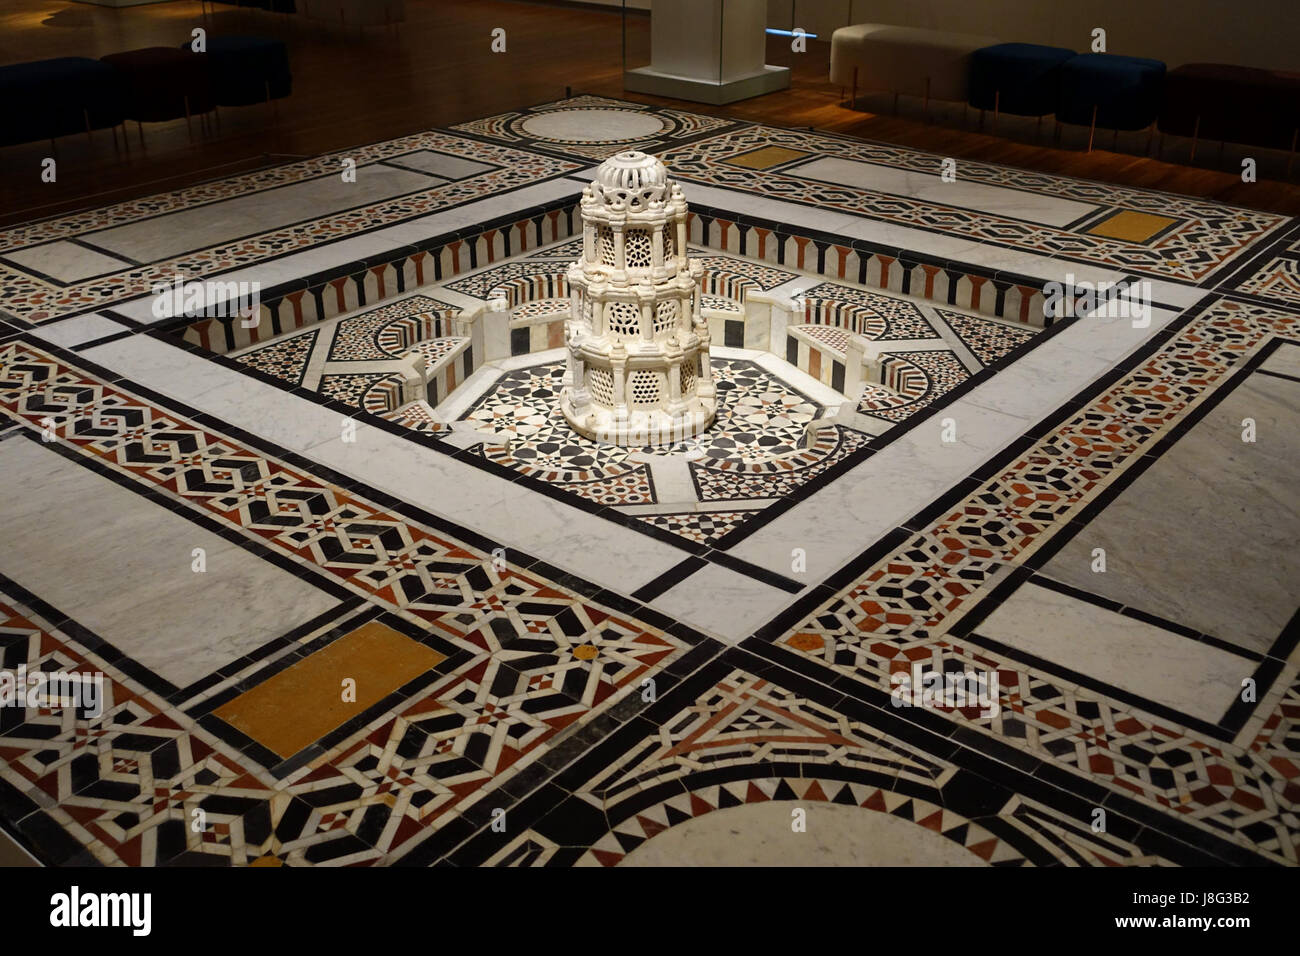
column 1018, row 78
column 1113, row 92
column 49, row 98
column 245, row 70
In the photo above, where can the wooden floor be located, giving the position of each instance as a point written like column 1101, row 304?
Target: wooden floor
column 353, row 87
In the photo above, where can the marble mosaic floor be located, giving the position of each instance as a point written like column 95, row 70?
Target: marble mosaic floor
column 779, row 428
column 338, row 626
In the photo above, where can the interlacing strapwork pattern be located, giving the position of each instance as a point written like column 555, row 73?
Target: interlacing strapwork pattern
column 537, row 659
column 900, row 612
column 732, row 747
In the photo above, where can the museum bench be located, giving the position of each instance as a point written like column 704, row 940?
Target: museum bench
column 1111, row 91
column 45, row 99
column 244, row 70
column 162, row 83
column 928, row 63
column 1236, row 104
column 1022, row 79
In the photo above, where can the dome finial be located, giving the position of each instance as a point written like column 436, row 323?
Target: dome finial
column 631, row 178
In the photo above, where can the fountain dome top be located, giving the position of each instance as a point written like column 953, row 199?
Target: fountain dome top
column 633, row 179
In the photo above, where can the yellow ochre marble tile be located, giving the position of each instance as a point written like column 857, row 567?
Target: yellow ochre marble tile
column 1131, row 226
column 304, row 702
column 766, row 157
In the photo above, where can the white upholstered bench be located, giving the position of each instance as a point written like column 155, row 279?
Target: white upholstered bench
column 927, row 63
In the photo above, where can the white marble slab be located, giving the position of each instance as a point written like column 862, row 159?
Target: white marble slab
column 671, row 475
column 276, row 272
column 503, row 511
column 330, row 255
column 545, row 357
column 166, row 368
column 78, row 330
column 286, row 420
column 507, row 513
column 930, row 187
column 762, row 207
column 1285, row 361
column 121, row 565
column 1039, row 382
column 440, row 164
column 732, row 504
column 1179, row 295
column 170, row 235
column 1190, row 676
column 1207, row 535
column 593, row 125
column 65, row 261
column 847, row 516
column 1110, row 336
column 760, row 834
column 480, row 211
column 726, row 604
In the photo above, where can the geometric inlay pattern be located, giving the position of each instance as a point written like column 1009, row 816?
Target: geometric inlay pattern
column 1207, row 235
column 760, row 427
column 731, row 747
column 1278, row 279
column 37, row 301
column 918, row 379
column 286, row 359
column 878, row 317
column 901, row 610
column 533, row 659
column 987, row 340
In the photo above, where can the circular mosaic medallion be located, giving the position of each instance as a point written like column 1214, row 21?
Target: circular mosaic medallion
column 759, row 834
column 592, row 126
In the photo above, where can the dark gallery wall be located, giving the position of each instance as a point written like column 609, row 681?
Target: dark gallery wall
column 1260, row 33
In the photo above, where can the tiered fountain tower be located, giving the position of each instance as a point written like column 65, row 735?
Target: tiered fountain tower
column 638, row 367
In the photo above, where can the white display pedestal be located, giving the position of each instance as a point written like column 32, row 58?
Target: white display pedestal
column 708, row 51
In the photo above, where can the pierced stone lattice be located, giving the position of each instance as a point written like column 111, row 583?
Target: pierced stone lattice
column 645, row 388
column 624, row 318
column 638, row 249
column 606, row 239
column 688, row 376
column 601, row 383
column 666, row 314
